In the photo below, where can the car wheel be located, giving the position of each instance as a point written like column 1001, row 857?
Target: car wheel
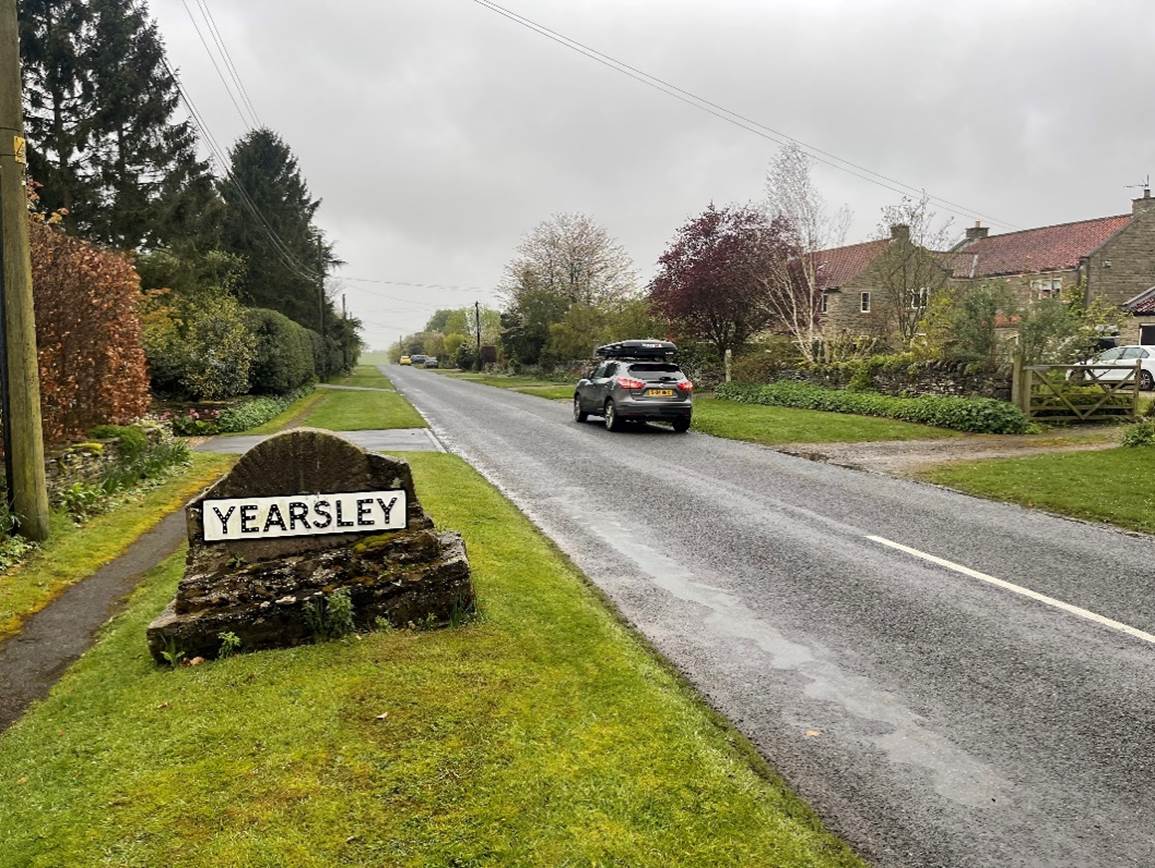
column 1146, row 381
column 682, row 425
column 579, row 415
column 613, row 421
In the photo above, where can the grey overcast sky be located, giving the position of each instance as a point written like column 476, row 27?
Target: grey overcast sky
column 438, row 133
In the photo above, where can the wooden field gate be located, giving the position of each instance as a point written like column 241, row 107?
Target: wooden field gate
column 1076, row 393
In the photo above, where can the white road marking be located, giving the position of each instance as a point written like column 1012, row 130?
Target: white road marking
column 1018, row 589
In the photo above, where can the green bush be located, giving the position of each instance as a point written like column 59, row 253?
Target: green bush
column 198, row 347
column 284, row 353
column 243, row 416
column 132, row 441
column 977, row 415
column 1141, row 434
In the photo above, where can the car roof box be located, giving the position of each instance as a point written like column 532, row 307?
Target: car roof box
column 643, row 349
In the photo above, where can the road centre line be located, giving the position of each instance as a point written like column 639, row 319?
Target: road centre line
column 1018, row 589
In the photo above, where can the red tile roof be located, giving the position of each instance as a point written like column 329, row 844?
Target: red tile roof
column 839, row 265
column 1142, row 304
column 1048, row 248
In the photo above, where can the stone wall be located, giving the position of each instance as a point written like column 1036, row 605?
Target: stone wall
column 917, row 378
column 85, row 462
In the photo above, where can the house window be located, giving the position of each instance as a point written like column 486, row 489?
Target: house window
column 1047, row 287
column 864, row 302
column 919, row 298
column 825, row 303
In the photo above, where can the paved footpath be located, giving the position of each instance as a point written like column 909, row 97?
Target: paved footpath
column 874, row 637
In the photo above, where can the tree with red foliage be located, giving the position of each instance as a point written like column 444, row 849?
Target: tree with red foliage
column 711, row 277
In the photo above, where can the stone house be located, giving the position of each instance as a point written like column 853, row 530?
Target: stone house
column 1112, row 257
column 877, row 288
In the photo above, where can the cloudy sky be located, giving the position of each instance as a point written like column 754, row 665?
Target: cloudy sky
column 438, row 132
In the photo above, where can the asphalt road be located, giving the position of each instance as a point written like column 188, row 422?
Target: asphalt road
column 931, row 716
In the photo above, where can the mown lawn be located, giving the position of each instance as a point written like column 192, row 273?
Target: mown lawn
column 76, row 551
column 756, row 423
column 526, row 385
column 1112, row 485
column 364, row 375
column 543, row 733
column 361, row 411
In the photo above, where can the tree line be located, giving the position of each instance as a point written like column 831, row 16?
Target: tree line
column 115, row 158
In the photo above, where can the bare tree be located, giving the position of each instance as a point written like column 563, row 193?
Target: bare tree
column 913, row 266
column 793, row 284
column 573, row 258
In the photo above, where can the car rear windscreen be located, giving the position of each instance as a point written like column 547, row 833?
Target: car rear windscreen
column 656, row 371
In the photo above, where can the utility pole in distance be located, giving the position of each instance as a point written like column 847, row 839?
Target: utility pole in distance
column 477, row 322
column 344, row 332
column 29, row 491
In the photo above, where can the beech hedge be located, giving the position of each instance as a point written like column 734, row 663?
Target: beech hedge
column 92, row 364
column 975, row 415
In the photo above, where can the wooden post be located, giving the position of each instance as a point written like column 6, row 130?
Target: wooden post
column 1020, row 384
column 29, row 491
column 728, row 359
column 1135, row 389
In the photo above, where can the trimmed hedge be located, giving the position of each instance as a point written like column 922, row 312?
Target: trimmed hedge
column 976, row 415
column 92, row 365
column 285, row 359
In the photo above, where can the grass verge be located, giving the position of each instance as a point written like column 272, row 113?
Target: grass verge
column 361, row 411
column 526, row 385
column 543, row 733
column 282, row 419
column 1107, row 485
column 76, row 551
column 759, row 423
column 367, row 376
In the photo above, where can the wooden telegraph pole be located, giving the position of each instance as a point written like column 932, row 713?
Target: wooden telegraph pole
column 477, row 322
column 29, row 493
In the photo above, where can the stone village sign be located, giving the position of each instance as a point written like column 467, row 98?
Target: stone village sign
column 302, row 515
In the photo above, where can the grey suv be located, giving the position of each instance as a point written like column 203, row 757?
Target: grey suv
column 647, row 389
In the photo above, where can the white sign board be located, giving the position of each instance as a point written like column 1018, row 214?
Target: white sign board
column 243, row 518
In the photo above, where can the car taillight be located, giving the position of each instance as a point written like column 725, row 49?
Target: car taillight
column 631, row 383
column 685, row 386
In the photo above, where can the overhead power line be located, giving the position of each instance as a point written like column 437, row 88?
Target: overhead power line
column 735, row 118
column 216, row 66
column 234, row 73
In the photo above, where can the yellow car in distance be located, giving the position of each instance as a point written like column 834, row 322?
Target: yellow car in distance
column 405, row 360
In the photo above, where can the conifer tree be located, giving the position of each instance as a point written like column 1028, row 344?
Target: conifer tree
column 272, row 227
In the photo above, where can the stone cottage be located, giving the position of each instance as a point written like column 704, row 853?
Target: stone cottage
column 1112, row 257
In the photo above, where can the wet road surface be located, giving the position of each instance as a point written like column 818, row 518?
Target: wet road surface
column 947, row 681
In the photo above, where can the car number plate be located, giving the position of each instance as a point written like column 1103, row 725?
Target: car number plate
column 660, row 393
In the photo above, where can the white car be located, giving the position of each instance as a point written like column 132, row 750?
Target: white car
column 1124, row 359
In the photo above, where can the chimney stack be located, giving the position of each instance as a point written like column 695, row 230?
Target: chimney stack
column 899, row 232
column 974, row 233
column 1144, row 203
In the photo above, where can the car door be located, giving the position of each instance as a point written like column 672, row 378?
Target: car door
column 1104, row 367
column 603, row 382
column 1126, row 362
column 587, row 389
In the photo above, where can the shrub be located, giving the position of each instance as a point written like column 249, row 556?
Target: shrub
column 284, row 353
column 976, row 415
column 1141, row 434
column 131, row 440
column 465, row 358
column 88, row 329
column 198, row 346
column 244, row 416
